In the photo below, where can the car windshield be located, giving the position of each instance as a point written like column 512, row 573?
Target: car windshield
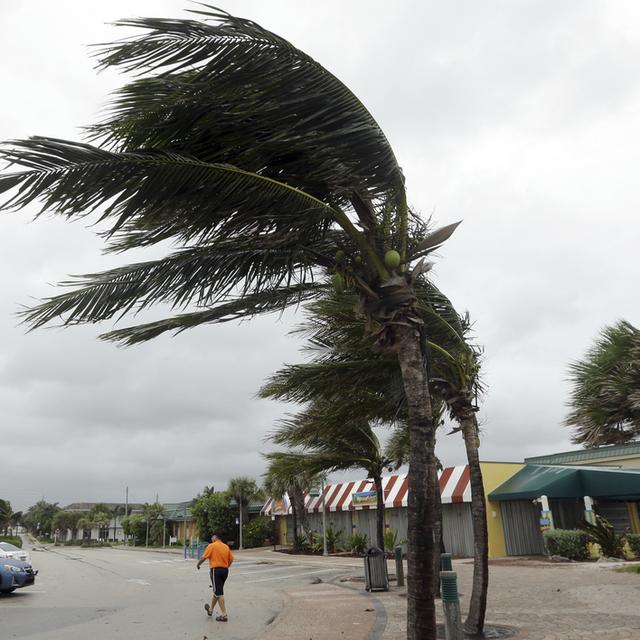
column 6, row 546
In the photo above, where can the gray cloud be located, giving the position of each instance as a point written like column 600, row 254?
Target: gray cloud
column 520, row 118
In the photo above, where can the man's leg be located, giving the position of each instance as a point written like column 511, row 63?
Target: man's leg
column 223, row 609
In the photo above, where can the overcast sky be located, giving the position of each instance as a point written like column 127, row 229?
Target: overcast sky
column 521, row 118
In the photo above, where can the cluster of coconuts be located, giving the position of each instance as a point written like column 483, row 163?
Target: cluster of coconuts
column 392, row 261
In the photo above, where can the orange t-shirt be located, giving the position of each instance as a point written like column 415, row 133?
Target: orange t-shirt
column 219, row 554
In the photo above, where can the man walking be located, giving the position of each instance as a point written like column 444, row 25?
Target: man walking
column 220, row 559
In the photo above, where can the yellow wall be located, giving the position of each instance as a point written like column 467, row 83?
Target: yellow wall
column 634, row 517
column 493, row 475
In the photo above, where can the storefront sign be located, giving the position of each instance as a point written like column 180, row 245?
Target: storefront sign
column 364, row 498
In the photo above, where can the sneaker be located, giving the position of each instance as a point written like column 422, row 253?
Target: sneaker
column 207, row 608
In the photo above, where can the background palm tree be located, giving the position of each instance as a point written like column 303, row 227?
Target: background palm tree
column 456, row 380
column 286, row 476
column 605, row 395
column 326, row 442
column 270, row 175
column 6, row 515
column 243, row 491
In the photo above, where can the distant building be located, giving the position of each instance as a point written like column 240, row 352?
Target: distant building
column 523, row 499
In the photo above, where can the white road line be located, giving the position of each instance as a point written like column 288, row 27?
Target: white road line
column 138, row 581
column 295, row 575
column 259, row 571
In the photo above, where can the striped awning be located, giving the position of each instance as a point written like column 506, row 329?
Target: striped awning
column 453, row 481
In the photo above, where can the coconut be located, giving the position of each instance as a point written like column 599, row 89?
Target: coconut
column 392, row 259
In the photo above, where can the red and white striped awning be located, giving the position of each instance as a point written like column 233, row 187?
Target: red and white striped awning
column 453, row 481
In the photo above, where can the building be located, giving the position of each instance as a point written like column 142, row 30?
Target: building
column 523, row 499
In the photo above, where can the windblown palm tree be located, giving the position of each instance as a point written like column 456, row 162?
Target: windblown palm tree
column 456, row 380
column 243, row 491
column 284, row 476
column 605, row 395
column 269, row 174
column 324, row 441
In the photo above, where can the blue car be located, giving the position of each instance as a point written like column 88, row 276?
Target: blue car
column 15, row 574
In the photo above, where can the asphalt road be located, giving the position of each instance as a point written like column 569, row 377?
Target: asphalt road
column 107, row 594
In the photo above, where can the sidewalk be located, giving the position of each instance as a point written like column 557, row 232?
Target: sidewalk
column 528, row 598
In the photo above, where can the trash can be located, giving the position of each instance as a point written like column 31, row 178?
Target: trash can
column 375, row 570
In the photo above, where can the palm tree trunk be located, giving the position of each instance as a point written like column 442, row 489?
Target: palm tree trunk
column 437, row 540
column 421, row 614
column 294, row 516
column 474, row 623
column 380, row 511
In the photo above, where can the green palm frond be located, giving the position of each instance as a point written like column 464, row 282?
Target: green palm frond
column 202, row 276
column 231, row 91
column 605, row 395
column 247, row 306
column 162, row 194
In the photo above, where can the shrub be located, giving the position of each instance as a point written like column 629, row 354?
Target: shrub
column 256, row 532
column 633, row 540
column 15, row 540
column 358, row 543
column 602, row 533
column 391, row 540
column 333, row 538
column 569, row 543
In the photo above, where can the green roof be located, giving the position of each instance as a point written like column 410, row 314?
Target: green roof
column 584, row 455
column 555, row 481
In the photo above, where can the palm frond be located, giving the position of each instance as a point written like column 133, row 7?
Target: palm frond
column 247, row 306
column 164, row 194
column 202, row 276
column 231, row 91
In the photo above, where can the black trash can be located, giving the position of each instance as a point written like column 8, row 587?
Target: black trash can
column 375, row 570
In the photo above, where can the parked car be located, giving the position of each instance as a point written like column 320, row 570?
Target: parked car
column 8, row 550
column 15, row 574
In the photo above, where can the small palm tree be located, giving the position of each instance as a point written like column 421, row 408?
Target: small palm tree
column 605, row 395
column 243, row 491
column 326, row 441
column 285, row 476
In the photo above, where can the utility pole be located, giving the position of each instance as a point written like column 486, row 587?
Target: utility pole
column 126, row 513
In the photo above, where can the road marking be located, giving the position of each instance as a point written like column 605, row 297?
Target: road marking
column 259, row 571
column 138, row 581
column 295, row 575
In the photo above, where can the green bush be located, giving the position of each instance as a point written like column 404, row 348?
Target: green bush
column 358, row 543
column 333, row 539
column 603, row 533
column 12, row 540
column 256, row 532
column 633, row 539
column 569, row 543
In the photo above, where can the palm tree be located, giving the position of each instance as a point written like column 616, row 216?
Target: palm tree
column 356, row 387
column 243, row 491
column 285, row 476
column 270, row 175
column 456, row 379
column 327, row 442
column 605, row 395
column 6, row 514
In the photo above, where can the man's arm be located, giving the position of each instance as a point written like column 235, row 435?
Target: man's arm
column 205, row 555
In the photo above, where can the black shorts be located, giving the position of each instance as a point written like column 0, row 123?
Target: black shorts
column 218, row 578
